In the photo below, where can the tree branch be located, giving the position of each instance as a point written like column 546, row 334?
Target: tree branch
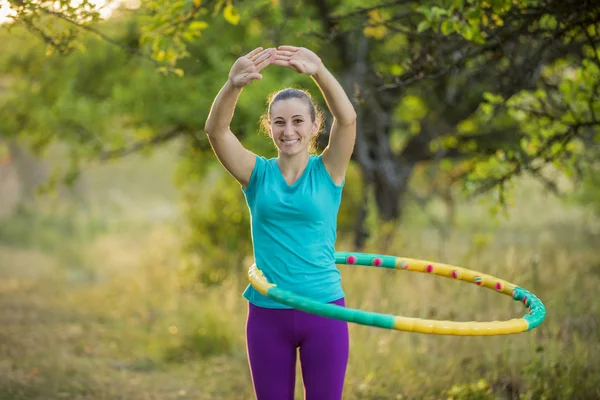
column 32, row 28
column 592, row 43
column 140, row 145
column 330, row 26
column 548, row 184
column 364, row 10
column 92, row 30
column 527, row 166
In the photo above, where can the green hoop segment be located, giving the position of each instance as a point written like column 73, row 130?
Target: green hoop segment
column 531, row 320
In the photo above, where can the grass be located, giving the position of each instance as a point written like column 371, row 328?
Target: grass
column 95, row 304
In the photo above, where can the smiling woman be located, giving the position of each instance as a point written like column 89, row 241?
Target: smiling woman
column 294, row 201
column 292, row 118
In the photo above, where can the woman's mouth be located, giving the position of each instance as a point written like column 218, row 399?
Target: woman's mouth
column 290, row 142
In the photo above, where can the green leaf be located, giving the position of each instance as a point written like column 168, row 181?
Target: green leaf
column 478, row 37
column 493, row 98
column 466, row 31
column 548, row 21
column 423, row 26
column 458, row 4
column 467, row 126
column 396, row 69
column 473, row 15
column 447, row 26
column 425, row 10
column 437, row 11
column 198, row 25
column 486, row 109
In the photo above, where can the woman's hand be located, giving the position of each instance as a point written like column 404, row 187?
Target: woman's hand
column 247, row 68
column 299, row 59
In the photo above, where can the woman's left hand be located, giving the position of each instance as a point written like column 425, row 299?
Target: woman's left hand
column 300, row 59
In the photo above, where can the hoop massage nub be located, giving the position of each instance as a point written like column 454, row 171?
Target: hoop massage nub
column 532, row 319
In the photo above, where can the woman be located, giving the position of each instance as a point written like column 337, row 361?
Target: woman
column 293, row 201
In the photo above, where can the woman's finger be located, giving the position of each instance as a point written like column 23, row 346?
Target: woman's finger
column 281, row 63
column 262, row 64
column 261, row 58
column 296, row 65
column 288, row 48
column 255, row 57
column 253, row 77
column 285, row 53
column 284, row 58
column 254, row 52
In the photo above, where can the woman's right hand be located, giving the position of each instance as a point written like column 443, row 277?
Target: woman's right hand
column 247, row 68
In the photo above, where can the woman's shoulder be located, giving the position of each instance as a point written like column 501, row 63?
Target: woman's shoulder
column 270, row 161
column 319, row 167
column 316, row 160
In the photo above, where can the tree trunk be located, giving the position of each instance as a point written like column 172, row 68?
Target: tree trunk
column 384, row 172
column 31, row 172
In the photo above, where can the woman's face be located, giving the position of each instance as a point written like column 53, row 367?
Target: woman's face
column 291, row 126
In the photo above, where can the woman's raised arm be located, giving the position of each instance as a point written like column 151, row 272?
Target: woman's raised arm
column 236, row 159
column 343, row 130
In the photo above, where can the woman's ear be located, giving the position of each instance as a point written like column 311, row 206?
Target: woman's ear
column 316, row 127
column 267, row 126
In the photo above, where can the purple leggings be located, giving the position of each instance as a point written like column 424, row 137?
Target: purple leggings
column 273, row 337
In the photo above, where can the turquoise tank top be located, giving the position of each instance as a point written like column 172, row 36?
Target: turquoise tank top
column 294, row 231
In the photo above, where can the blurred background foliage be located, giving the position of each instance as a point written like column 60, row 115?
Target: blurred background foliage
column 127, row 242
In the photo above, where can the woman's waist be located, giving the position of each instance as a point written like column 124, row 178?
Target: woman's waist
column 305, row 282
column 282, row 270
column 318, row 253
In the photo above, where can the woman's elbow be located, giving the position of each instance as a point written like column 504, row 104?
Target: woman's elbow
column 210, row 128
column 347, row 119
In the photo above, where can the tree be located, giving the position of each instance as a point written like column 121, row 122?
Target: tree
column 488, row 90
column 105, row 103
column 507, row 88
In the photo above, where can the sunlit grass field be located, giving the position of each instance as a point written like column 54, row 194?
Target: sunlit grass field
column 95, row 302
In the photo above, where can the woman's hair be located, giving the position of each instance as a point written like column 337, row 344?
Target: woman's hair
column 291, row 93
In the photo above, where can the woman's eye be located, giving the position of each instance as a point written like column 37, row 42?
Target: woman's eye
column 298, row 121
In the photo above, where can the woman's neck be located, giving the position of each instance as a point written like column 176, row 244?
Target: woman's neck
column 292, row 167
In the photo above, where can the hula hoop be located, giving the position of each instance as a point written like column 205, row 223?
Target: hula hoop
column 534, row 317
